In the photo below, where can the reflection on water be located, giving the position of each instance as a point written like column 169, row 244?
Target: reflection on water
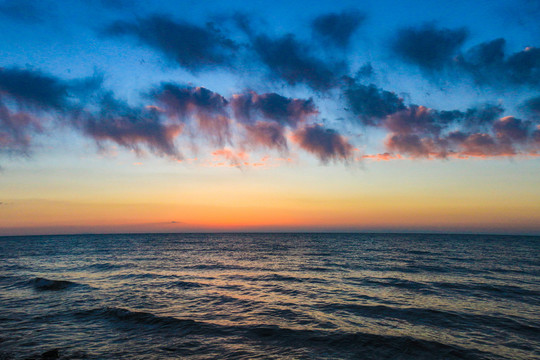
column 270, row 296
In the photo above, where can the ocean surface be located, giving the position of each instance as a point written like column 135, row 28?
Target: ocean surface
column 270, row 296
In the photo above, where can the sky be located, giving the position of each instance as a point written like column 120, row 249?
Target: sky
column 194, row 116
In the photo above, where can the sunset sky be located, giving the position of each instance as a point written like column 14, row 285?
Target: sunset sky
column 170, row 116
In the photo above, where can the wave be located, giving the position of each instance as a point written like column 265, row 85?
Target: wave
column 368, row 345
column 107, row 266
column 138, row 317
column 504, row 291
column 43, row 284
column 330, row 342
column 141, row 321
column 219, row 267
column 480, row 289
column 393, row 282
column 438, row 318
column 182, row 284
column 272, row 278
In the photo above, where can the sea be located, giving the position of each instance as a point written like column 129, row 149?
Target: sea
column 270, row 296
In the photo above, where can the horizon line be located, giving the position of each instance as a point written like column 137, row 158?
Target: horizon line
column 280, row 232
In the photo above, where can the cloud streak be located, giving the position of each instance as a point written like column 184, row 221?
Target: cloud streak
column 337, row 28
column 132, row 127
column 436, row 50
column 421, row 132
column 190, row 46
column 292, row 61
column 326, row 144
column 209, row 109
column 33, row 88
column 250, row 106
column 428, row 46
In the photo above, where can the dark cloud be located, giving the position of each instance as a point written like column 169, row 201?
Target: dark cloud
column 511, row 129
column 532, row 105
column 435, row 49
column 33, row 88
column 481, row 144
column 191, row 46
column 418, row 131
column 413, row 145
column 482, row 60
column 536, row 137
column 30, row 99
column 487, row 54
column 381, row 108
column 428, row 46
column 524, row 67
column 250, row 106
column 414, row 120
column 81, row 103
column 131, row 127
column 456, row 144
column 337, row 28
column 488, row 65
column 482, row 115
column 182, row 100
column 291, row 60
column 326, row 144
column 366, row 71
column 476, row 118
column 266, row 134
column 16, row 130
column 208, row 108
column 371, row 104
column 507, row 136
column 22, row 10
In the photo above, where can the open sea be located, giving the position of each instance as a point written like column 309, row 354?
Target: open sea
column 270, row 296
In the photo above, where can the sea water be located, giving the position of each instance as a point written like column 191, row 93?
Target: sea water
column 270, row 296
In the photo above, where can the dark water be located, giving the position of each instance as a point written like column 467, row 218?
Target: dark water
column 270, row 296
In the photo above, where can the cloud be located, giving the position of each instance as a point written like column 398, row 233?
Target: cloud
column 251, row 106
column 16, row 130
column 131, row 127
column 421, row 132
column 511, row 129
column 524, row 67
column 428, row 46
column 266, row 134
column 482, row 115
column 337, row 28
column 208, row 108
column 481, row 144
column 22, row 10
column 369, row 103
column 326, row 144
column 190, row 46
column 435, row 49
column 413, row 145
column 488, row 65
column 414, row 120
column 33, row 88
column 483, row 59
column 507, row 136
column 291, row 60
column 532, row 106
column 229, row 157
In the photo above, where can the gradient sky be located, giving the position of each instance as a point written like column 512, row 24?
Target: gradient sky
column 127, row 116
